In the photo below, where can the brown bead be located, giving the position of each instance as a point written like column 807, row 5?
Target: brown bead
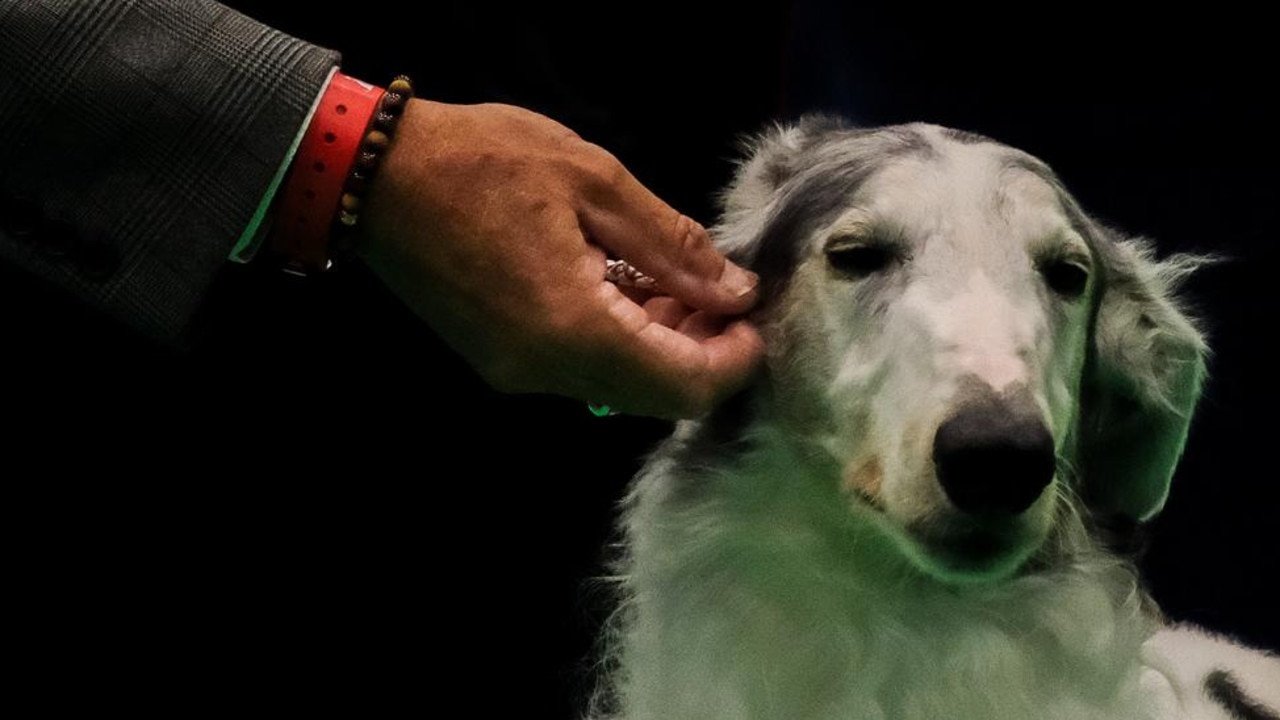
column 402, row 85
column 393, row 103
column 351, row 202
column 367, row 161
column 385, row 121
column 376, row 141
column 358, row 182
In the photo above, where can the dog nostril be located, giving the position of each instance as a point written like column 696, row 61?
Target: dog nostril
column 991, row 463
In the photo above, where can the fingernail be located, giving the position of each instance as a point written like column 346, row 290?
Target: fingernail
column 740, row 282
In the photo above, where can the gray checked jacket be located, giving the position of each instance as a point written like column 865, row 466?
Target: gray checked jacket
column 137, row 139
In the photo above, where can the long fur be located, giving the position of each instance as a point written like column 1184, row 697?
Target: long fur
column 752, row 586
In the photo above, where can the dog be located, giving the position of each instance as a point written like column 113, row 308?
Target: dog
column 972, row 390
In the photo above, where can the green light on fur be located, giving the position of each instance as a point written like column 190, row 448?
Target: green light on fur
column 599, row 410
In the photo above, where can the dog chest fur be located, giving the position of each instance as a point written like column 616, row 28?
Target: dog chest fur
column 749, row 600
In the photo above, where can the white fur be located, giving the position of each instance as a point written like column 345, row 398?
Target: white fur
column 787, row 573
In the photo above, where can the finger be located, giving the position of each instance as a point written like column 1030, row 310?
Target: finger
column 725, row 364
column 666, row 311
column 734, row 356
column 669, row 374
column 639, row 296
column 702, row 325
column 669, row 247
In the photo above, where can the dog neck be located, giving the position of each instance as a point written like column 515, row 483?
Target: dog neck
column 755, row 590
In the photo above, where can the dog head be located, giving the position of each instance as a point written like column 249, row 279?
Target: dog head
column 967, row 346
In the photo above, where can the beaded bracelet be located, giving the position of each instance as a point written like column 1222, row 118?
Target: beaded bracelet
column 376, row 140
column 340, row 150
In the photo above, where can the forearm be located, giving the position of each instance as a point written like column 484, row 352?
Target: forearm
column 137, row 141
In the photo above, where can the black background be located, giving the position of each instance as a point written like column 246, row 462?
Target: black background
column 320, row 502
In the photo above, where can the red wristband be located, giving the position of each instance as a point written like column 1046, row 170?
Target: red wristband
column 320, row 168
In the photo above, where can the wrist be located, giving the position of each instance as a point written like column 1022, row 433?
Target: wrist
column 404, row 175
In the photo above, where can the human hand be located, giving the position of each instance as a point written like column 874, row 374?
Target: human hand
column 493, row 224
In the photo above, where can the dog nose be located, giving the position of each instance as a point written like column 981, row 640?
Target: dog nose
column 993, row 460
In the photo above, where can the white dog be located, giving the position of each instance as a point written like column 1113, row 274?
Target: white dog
column 970, row 384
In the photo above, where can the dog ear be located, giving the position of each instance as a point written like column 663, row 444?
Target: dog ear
column 744, row 205
column 1142, row 380
column 769, row 163
column 771, row 159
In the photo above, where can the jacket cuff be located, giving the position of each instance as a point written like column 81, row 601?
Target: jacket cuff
column 150, row 132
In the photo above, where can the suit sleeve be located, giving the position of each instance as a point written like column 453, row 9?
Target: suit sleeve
column 137, row 138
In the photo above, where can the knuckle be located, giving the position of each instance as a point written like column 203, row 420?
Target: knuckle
column 692, row 237
column 601, row 167
column 569, row 136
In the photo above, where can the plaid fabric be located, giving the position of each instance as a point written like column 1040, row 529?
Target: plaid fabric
column 151, row 129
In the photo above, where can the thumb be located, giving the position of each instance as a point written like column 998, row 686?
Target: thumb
column 670, row 247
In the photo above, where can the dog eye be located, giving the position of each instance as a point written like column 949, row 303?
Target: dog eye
column 860, row 260
column 1065, row 278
